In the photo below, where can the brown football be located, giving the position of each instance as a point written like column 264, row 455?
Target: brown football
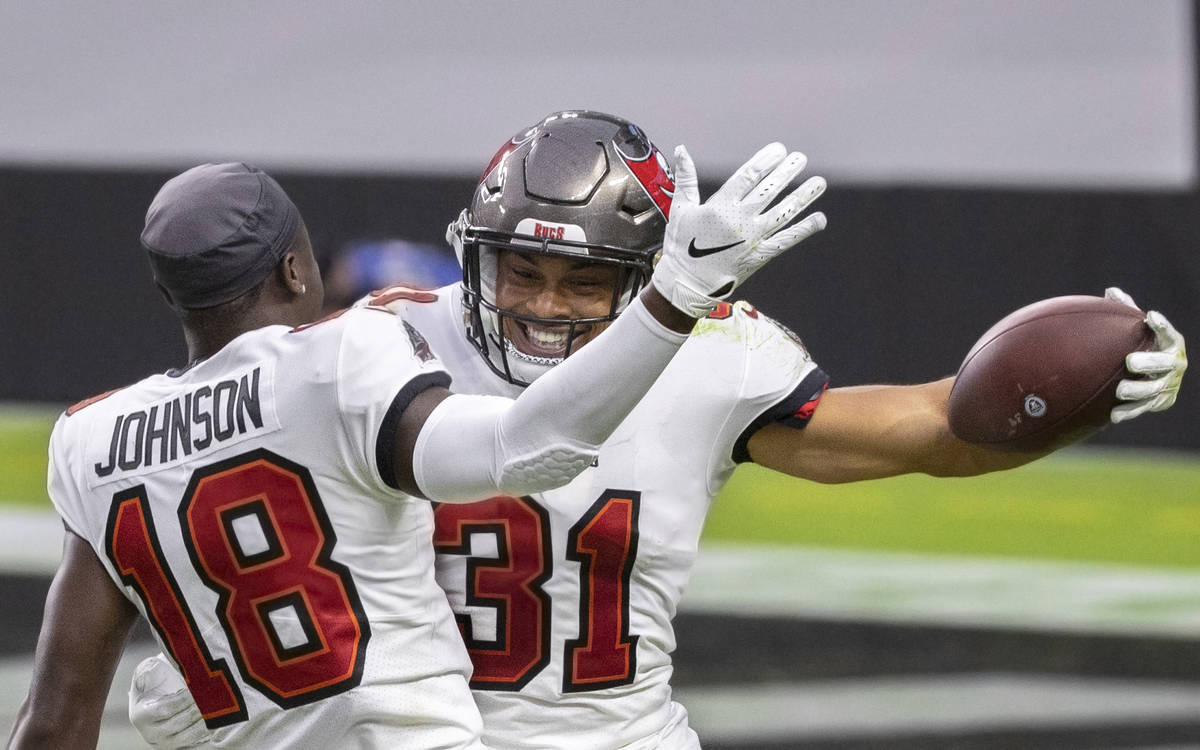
column 1046, row 374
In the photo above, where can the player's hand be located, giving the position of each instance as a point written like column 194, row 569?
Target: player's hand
column 394, row 298
column 162, row 709
column 712, row 247
column 1157, row 373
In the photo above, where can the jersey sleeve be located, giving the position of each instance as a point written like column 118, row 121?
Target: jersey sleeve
column 60, row 485
column 383, row 363
column 780, row 383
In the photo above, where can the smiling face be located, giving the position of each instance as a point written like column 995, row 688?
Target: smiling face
column 541, row 286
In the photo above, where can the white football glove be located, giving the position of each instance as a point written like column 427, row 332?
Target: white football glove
column 162, row 709
column 712, row 247
column 1160, row 369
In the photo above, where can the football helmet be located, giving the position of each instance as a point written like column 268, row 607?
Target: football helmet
column 577, row 184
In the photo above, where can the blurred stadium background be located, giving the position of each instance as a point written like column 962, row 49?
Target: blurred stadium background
column 981, row 155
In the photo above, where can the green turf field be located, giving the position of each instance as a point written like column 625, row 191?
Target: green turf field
column 24, row 433
column 1080, row 505
column 1101, row 506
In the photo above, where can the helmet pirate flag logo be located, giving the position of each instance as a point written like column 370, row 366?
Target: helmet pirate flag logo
column 651, row 170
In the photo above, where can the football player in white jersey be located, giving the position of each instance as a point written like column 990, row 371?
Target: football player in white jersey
column 565, row 597
column 264, row 507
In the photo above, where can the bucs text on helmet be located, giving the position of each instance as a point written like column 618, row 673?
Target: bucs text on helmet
column 577, row 184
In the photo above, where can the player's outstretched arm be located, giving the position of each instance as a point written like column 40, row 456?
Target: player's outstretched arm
column 870, row 432
column 470, row 447
column 875, row 431
column 84, row 628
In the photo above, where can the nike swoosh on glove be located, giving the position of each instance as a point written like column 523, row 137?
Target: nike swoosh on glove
column 710, row 248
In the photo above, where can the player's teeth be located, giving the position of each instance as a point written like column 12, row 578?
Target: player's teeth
column 548, row 340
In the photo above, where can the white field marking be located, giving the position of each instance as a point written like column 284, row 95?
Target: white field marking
column 836, row 583
column 30, row 541
column 968, row 703
column 925, row 589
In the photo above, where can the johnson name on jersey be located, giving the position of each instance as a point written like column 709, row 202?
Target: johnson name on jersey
column 565, row 598
column 239, row 504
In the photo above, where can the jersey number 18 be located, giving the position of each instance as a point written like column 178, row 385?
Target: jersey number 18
column 286, row 583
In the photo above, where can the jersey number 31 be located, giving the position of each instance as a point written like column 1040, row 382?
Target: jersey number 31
column 603, row 542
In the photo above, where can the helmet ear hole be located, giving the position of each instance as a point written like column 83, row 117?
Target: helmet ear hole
column 454, row 234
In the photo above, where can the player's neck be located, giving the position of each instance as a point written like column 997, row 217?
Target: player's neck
column 204, row 344
column 208, row 336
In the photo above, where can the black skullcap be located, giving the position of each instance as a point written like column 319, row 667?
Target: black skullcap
column 216, row 231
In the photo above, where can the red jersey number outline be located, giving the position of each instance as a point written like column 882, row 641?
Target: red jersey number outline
column 604, row 541
column 511, row 584
column 295, row 571
column 131, row 543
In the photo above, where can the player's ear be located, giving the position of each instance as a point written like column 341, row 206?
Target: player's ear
column 290, row 275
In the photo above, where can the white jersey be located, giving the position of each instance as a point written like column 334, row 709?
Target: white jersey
column 565, row 599
column 239, row 505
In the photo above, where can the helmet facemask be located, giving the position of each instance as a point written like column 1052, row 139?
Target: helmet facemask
column 490, row 326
